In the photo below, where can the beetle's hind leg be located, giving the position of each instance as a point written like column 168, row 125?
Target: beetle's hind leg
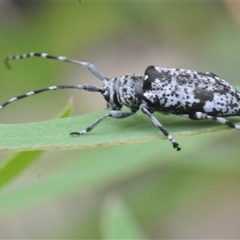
column 202, row 116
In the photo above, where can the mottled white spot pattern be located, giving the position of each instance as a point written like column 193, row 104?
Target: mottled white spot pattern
column 182, row 91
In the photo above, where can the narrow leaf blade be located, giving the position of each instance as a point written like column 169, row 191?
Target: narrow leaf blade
column 18, row 162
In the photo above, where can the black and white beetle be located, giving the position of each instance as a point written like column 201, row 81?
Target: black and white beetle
column 187, row 93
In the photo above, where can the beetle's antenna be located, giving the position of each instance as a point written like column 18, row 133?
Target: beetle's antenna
column 86, row 87
column 91, row 67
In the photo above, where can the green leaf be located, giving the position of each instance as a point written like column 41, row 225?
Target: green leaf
column 85, row 171
column 54, row 134
column 18, row 162
column 117, row 220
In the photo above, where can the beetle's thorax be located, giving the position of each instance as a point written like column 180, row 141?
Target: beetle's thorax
column 123, row 91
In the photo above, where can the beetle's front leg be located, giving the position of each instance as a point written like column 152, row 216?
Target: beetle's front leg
column 113, row 114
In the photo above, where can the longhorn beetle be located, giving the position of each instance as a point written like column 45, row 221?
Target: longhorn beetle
column 187, row 93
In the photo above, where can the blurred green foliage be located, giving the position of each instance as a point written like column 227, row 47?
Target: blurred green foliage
column 140, row 190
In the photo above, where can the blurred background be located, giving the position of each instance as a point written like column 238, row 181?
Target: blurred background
column 162, row 193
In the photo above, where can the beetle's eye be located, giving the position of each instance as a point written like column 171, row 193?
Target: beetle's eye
column 106, row 94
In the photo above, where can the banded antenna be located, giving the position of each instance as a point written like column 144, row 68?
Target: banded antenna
column 91, row 67
column 87, row 87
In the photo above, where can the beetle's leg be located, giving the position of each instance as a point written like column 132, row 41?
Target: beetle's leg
column 160, row 126
column 113, row 114
column 202, row 116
